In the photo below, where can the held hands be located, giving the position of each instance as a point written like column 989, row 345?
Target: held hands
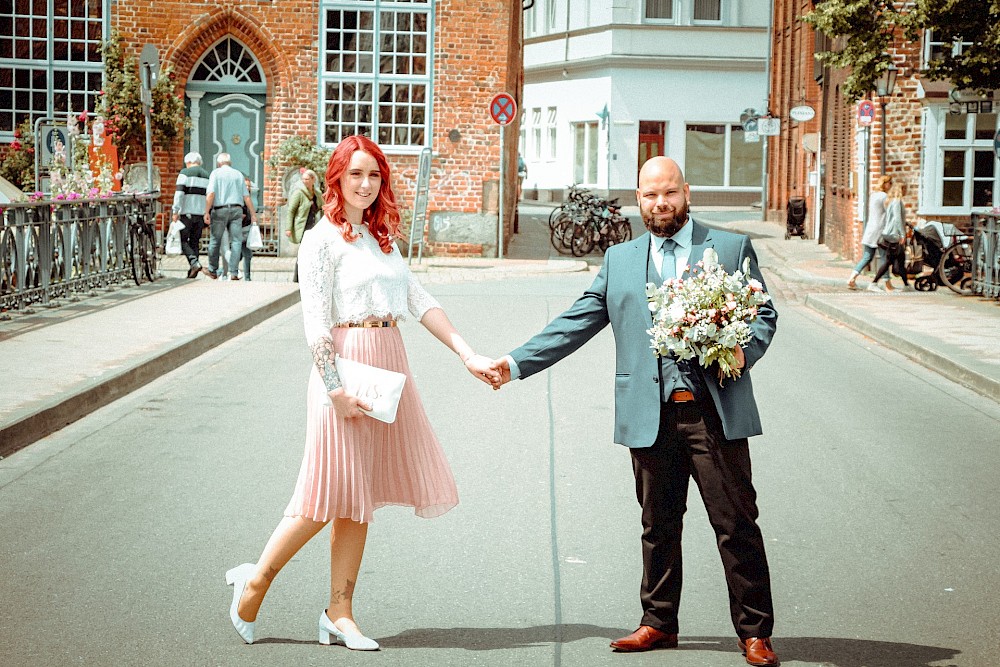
column 347, row 406
column 502, row 368
column 482, row 368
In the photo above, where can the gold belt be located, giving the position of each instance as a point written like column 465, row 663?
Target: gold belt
column 369, row 324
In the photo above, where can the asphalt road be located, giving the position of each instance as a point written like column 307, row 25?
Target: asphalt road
column 877, row 485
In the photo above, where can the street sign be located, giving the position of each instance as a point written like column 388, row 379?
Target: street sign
column 866, row 112
column 503, row 109
column 751, row 137
column 750, row 125
column 802, row 113
column 769, row 127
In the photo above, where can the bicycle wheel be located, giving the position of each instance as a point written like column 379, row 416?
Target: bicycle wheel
column 135, row 236
column 582, row 241
column 563, row 228
column 955, row 268
column 149, row 258
column 554, row 216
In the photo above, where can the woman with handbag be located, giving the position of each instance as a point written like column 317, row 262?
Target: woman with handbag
column 892, row 240
column 873, row 229
column 355, row 285
column 303, row 210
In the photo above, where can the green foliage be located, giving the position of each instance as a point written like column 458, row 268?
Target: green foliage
column 300, row 151
column 17, row 161
column 121, row 103
column 864, row 29
column 977, row 67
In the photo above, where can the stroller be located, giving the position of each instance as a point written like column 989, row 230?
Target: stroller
column 925, row 247
column 795, row 218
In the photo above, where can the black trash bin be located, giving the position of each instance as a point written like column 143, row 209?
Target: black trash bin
column 795, row 218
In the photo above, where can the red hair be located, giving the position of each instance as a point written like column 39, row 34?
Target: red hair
column 382, row 216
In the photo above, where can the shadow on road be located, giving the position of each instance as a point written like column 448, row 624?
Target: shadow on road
column 490, row 639
column 833, row 651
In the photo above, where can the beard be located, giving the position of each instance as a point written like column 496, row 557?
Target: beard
column 665, row 226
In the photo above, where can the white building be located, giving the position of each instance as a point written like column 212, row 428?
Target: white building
column 610, row 83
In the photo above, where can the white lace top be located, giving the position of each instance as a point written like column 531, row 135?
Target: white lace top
column 349, row 282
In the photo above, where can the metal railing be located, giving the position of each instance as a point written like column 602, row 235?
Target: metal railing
column 986, row 254
column 53, row 249
column 270, row 232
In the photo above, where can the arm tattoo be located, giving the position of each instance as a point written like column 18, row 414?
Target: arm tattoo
column 323, row 357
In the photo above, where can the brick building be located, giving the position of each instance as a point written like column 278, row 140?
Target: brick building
column 409, row 74
column 939, row 142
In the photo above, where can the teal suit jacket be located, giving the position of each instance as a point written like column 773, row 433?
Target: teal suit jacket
column 618, row 297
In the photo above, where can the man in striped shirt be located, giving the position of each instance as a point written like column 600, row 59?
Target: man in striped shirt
column 189, row 207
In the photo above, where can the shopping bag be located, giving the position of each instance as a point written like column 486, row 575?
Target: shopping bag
column 254, row 240
column 172, row 246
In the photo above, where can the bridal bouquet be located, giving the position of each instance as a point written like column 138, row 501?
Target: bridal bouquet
column 705, row 315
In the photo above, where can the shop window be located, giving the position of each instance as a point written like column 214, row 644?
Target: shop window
column 551, row 130
column 536, row 134
column 964, row 174
column 718, row 155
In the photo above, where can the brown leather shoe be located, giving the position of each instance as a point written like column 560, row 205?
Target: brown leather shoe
column 645, row 639
column 209, row 273
column 759, row 652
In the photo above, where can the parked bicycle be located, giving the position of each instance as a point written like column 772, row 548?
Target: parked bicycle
column 586, row 220
column 142, row 247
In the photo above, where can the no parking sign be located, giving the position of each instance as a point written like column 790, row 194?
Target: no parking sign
column 866, row 112
column 503, row 108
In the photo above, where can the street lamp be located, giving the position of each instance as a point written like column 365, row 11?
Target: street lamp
column 884, row 87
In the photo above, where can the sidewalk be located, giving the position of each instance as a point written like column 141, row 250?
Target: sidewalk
column 60, row 364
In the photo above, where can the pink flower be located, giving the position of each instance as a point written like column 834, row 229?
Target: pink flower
column 15, row 145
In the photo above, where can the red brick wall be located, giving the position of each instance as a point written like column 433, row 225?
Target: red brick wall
column 477, row 53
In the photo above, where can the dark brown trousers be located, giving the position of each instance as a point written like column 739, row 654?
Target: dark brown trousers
column 691, row 444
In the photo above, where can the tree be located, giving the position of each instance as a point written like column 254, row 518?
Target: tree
column 864, row 31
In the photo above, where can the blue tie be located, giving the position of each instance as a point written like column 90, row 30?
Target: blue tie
column 669, row 268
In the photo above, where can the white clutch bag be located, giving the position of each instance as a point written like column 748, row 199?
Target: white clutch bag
column 378, row 387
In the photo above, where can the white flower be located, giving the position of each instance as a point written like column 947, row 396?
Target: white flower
column 710, row 259
column 706, row 315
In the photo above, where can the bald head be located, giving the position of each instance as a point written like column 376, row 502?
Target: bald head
column 660, row 167
column 663, row 196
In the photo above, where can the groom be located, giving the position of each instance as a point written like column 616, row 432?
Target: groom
column 677, row 418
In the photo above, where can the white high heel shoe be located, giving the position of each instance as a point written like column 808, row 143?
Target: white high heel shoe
column 237, row 578
column 352, row 640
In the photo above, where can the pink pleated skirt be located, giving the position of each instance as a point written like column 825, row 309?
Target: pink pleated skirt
column 352, row 467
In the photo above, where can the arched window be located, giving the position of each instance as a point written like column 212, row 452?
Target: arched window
column 228, row 62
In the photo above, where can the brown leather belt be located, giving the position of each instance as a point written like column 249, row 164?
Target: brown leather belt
column 369, row 324
column 681, row 396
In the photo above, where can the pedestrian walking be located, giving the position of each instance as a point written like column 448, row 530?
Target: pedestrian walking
column 224, row 200
column 188, row 208
column 303, row 209
column 245, row 252
column 355, row 286
column 893, row 240
column 677, row 419
column 873, row 229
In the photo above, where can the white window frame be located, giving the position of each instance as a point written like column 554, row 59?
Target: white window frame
column 418, row 115
column 550, row 16
column 551, row 133
column 672, row 20
column 536, row 134
column 720, row 21
column 930, row 43
column 592, row 141
column 55, row 87
column 522, row 139
column 932, row 177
